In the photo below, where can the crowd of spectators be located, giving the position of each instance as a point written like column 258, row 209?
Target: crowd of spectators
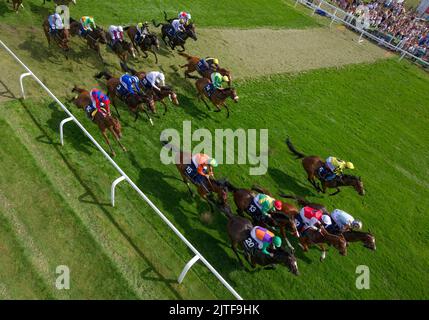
column 393, row 22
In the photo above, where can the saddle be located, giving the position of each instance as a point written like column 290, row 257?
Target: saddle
column 209, row 89
column 325, row 174
column 250, row 246
column 91, row 111
column 121, row 91
column 254, row 211
column 202, row 66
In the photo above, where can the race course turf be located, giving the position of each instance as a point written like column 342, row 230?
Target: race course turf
column 55, row 200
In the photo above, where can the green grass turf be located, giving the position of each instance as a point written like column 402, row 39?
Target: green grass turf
column 220, row 13
column 373, row 115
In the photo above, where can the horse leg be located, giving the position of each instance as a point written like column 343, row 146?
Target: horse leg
column 303, row 243
column 154, row 53
column 117, row 139
column 283, row 232
column 234, row 248
column 165, row 107
column 103, row 132
column 240, row 212
column 227, row 110
column 114, row 105
column 323, row 254
column 183, row 48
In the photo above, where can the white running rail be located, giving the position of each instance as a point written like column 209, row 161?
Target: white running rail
column 123, row 176
column 338, row 15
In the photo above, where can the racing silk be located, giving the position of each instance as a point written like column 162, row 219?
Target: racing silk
column 210, row 61
column 115, row 33
column 217, row 80
column 56, row 22
column 341, row 218
column 98, row 98
column 177, row 26
column 264, row 202
column 130, row 83
column 200, row 161
column 88, row 23
column 153, row 77
column 263, row 237
column 142, row 29
column 310, row 216
column 335, row 165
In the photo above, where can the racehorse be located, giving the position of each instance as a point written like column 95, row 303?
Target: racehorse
column 165, row 91
column 320, row 236
column 93, row 38
column 178, row 39
column 192, row 66
column 238, row 229
column 206, row 191
column 312, row 164
column 134, row 102
column 16, row 4
column 61, row 38
column 217, row 97
column 149, row 43
column 283, row 219
column 122, row 48
column 103, row 120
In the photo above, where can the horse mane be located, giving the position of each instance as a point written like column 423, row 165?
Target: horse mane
column 350, row 177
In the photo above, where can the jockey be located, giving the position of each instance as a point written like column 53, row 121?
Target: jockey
column 344, row 221
column 55, row 23
column 218, row 80
column 265, row 239
column 116, row 34
column 335, row 165
column 208, row 64
column 311, row 217
column 130, row 83
column 87, row 24
column 100, row 100
column 154, row 80
column 204, row 165
column 178, row 25
column 267, row 204
column 142, row 31
column 185, row 17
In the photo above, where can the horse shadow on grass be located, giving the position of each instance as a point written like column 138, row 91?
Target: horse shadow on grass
column 154, row 183
column 5, row 92
column 108, row 212
column 287, row 184
column 72, row 134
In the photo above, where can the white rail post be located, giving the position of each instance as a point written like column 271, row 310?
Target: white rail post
column 187, row 267
column 317, row 8
column 62, row 123
column 334, row 16
column 112, row 189
column 21, row 78
column 360, row 38
column 296, row 2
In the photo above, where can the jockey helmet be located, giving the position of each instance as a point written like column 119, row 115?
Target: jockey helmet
column 356, row 224
column 278, row 205
column 225, row 78
column 215, row 61
column 277, row 241
column 326, row 220
column 120, row 29
column 349, row 165
column 212, row 162
column 140, row 25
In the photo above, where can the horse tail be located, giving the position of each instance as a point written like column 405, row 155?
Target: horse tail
column 125, row 68
column 260, row 190
column 104, row 74
column 166, row 144
column 187, row 56
column 77, row 89
column 292, row 149
column 155, row 23
column 300, row 200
